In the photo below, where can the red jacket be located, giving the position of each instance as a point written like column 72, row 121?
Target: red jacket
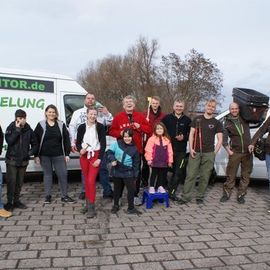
column 154, row 118
column 121, row 121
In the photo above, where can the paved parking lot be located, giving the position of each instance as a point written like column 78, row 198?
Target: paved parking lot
column 211, row 236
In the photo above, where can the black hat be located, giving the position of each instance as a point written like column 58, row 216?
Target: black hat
column 20, row 113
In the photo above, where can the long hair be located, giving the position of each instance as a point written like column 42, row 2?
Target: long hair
column 51, row 106
column 165, row 132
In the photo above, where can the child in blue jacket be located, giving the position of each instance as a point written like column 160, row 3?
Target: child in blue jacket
column 125, row 161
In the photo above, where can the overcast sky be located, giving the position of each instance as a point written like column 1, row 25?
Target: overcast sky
column 62, row 36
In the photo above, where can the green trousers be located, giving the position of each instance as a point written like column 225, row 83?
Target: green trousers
column 202, row 166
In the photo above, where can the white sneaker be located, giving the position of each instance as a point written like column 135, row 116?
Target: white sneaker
column 137, row 201
column 161, row 189
column 152, row 190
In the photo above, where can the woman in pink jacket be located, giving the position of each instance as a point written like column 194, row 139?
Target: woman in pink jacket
column 159, row 155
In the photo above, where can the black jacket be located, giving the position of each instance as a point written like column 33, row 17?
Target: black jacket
column 127, row 157
column 101, row 137
column 66, row 146
column 1, row 140
column 22, row 144
column 176, row 126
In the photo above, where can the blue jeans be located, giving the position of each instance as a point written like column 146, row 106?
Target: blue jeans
column 103, row 177
column 1, row 184
column 267, row 161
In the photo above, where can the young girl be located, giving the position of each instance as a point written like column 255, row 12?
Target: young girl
column 91, row 144
column 159, row 155
column 125, row 161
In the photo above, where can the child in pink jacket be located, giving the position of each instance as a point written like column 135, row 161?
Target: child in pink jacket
column 159, row 155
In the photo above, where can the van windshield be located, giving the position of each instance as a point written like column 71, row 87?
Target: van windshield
column 71, row 104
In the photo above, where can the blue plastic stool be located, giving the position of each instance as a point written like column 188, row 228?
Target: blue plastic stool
column 149, row 198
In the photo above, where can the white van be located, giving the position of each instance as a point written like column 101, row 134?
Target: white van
column 33, row 92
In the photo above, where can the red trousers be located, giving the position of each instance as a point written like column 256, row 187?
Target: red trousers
column 90, row 174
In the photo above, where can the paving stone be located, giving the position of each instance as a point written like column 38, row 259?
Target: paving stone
column 133, row 258
column 33, row 263
column 262, row 257
column 187, row 254
column 115, row 267
column 140, row 249
column 42, row 246
column 33, row 239
column 168, row 247
column 125, row 243
column 198, row 245
column 100, row 260
column 178, row 239
column 22, row 254
column 160, row 256
column 45, row 233
column 67, row 262
column 53, row 253
column 173, row 265
column 84, row 252
column 257, row 266
column 18, row 234
column 235, row 260
column 8, row 264
column 241, row 250
column 12, row 247
column 148, row 266
column 207, row 262
column 226, row 268
column 114, row 251
column 261, row 248
column 214, row 252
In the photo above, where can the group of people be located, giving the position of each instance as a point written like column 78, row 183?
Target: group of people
column 147, row 146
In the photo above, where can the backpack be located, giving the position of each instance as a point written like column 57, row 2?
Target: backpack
column 259, row 149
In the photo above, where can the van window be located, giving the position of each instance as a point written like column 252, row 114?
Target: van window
column 72, row 103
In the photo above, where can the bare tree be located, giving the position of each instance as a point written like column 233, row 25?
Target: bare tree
column 194, row 79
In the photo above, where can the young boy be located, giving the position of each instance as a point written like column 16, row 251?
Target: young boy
column 22, row 144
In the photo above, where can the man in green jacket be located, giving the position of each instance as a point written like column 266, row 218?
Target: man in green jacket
column 237, row 141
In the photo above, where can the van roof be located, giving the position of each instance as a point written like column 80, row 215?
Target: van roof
column 32, row 73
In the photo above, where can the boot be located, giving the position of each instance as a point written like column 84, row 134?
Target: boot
column 85, row 208
column 91, row 210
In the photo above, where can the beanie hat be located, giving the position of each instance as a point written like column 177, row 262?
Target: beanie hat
column 20, row 113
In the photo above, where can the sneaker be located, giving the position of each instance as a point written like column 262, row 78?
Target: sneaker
column 137, row 201
column 241, row 199
column 4, row 213
column 82, row 196
column 199, row 201
column 161, row 189
column 91, row 212
column 174, row 198
column 181, row 201
column 9, row 206
column 67, row 199
column 224, row 197
column 152, row 190
column 19, row 205
column 48, row 199
column 84, row 210
column 134, row 211
column 115, row 209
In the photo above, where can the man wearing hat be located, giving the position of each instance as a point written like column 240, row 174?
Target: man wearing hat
column 22, row 144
